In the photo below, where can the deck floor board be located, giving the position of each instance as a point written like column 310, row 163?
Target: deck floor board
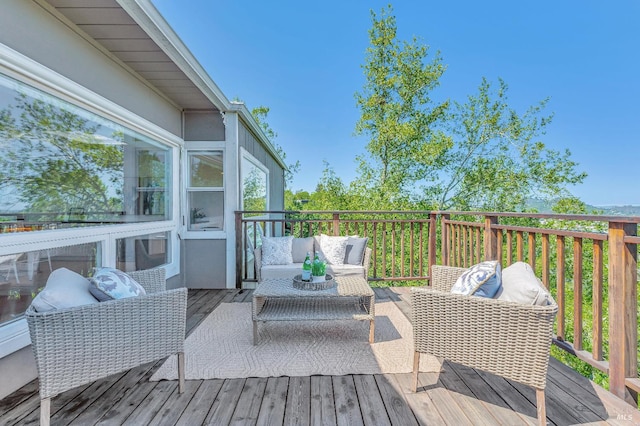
column 456, row 396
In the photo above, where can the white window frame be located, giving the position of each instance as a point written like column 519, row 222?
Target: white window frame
column 203, row 146
column 15, row 335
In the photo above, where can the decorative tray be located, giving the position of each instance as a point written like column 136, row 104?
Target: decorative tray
column 313, row 285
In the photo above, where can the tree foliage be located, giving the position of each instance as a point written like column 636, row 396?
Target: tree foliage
column 260, row 114
column 480, row 154
column 397, row 113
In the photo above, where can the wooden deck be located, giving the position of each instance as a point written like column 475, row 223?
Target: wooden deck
column 456, row 396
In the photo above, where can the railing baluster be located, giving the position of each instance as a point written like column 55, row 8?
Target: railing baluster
column 545, row 260
column 519, row 246
column 532, row 249
column 465, row 242
column 577, row 293
column 478, row 247
column 500, row 247
column 375, row 249
column 411, row 247
column 509, row 247
column 401, row 248
column 597, row 300
column 384, row 249
column 560, row 274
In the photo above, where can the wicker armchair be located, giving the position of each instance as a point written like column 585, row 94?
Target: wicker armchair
column 508, row 339
column 79, row 345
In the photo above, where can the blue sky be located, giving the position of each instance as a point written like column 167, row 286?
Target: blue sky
column 303, row 60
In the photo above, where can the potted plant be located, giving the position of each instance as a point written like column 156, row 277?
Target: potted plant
column 318, row 270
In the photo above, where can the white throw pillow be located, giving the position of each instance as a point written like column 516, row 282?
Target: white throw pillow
column 520, row 285
column 110, row 283
column 333, row 249
column 277, row 250
column 64, row 289
column 482, row 279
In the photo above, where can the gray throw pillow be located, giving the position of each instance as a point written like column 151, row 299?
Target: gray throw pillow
column 300, row 248
column 354, row 254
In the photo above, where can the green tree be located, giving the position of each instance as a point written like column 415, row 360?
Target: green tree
column 496, row 160
column 475, row 155
column 397, row 113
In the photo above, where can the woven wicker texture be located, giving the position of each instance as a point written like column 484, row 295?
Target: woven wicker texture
column 508, row 339
column 278, row 299
column 82, row 344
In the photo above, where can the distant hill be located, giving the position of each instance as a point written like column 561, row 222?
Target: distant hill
column 545, row 207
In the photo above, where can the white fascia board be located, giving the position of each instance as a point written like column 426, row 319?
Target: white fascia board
column 247, row 117
column 156, row 27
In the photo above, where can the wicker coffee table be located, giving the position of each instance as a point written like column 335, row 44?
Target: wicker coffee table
column 279, row 300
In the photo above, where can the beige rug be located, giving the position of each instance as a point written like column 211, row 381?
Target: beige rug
column 222, row 347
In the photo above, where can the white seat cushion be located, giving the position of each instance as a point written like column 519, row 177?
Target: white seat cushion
column 293, row 269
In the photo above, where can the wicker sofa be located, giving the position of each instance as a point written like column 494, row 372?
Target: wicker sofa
column 509, row 339
column 78, row 345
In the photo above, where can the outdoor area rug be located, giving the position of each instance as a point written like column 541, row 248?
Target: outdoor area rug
column 222, row 347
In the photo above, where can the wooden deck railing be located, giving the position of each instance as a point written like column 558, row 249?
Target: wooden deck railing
column 589, row 263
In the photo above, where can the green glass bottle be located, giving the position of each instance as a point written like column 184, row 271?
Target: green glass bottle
column 306, row 268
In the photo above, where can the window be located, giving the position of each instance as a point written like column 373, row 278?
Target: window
column 142, row 251
column 62, row 166
column 65, row 173
column 205, row 190
column 254, row 184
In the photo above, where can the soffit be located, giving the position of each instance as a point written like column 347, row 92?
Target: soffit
column 108, row 24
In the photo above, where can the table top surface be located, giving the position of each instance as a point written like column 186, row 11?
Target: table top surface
column 350, row 285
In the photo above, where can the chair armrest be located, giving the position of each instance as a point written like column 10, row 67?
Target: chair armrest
column 79, row 345
column 257, row 263
column 153, row 280
column 444, row 277
column 505, row 338
column 366, row 262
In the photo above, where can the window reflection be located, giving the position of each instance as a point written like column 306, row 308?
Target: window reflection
column 63, row 166
column 142, row 251
column 254, row 186
column 24, row 275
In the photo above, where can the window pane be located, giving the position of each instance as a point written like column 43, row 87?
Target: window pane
column 24, row 275
column 206, row 210
column 61, row 165
column 254, row 187
column 205, row 169
column 142, row 251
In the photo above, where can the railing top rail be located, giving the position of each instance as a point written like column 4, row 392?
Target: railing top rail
column 587, row 217
column 557, row 216
column 425, row 212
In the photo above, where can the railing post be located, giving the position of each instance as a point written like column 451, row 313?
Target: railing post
column 444, row 238
column 239, row 249
column 336, row 224
column 433, row 241
column 623, row 314
column 490, row 238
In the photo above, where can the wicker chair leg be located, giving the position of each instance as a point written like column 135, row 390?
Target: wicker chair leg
column 416, row 365
column 45, row 412
column 542, row 409
column 181, row 372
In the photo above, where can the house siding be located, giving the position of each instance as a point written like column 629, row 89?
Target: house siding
column 248, row 141
column 203, row 126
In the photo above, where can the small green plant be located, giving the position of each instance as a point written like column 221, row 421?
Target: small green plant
column 318, row 268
